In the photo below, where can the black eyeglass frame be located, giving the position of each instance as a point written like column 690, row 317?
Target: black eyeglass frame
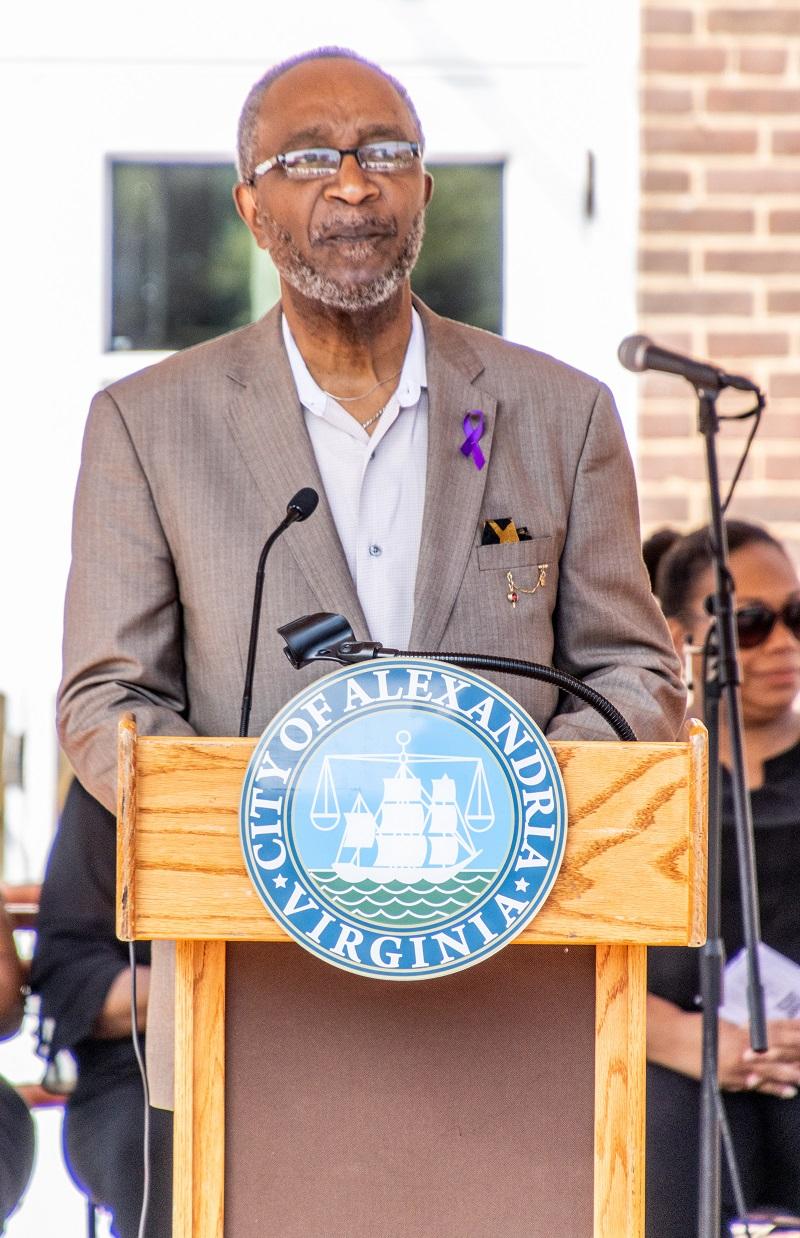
column 763, row 619
column 358, row 153
column 755, row 621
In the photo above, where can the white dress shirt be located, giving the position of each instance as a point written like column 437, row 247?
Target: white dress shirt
column 375, row 486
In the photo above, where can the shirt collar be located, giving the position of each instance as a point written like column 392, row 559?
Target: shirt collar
column 413, row 376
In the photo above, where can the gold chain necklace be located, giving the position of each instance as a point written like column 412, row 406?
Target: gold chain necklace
column 350, row 399
column 371, row 420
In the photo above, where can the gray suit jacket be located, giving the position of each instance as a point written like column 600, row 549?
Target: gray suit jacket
column 188, row 465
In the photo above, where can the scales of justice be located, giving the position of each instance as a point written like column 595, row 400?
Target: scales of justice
column 415, row 833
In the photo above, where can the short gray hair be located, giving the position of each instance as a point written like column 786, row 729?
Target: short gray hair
column 248, row 119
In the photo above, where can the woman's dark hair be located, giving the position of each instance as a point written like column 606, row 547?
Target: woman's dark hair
column 654, row 549
column 676, row 562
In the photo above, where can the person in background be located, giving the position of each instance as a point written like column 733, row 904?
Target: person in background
column 760, row 1091
column 81, row 972
column 17, row 1138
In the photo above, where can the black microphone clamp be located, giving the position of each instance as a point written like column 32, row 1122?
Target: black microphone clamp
column 328, row 638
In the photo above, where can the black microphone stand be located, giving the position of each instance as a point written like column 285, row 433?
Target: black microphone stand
column 723, row 684
column 299, row 507
column 255, row 623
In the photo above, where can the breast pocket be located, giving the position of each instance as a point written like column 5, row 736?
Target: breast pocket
column 507, row 556
column 521, row 574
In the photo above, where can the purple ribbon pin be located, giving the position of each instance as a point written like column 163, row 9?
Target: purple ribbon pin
column 474, row 425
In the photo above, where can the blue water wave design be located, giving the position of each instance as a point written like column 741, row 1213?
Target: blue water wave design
column 397, row 905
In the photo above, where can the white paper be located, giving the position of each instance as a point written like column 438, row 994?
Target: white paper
column 780, row 978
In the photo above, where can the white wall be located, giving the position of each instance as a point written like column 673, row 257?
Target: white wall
column 537, row 84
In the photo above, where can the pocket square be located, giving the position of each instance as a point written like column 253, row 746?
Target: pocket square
column 503, row 530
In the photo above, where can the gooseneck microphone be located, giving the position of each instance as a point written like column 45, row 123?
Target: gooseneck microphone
column 329, row 638
column 639, row 353
column 299, row 508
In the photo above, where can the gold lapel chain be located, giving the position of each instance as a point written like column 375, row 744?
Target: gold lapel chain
column 515, row 590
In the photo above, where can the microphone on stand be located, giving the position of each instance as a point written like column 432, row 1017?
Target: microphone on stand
column 299, row 508
column 638, row 353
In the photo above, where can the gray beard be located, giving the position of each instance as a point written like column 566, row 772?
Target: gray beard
column 297, row 271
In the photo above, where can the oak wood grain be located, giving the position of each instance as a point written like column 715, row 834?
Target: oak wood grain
column 633, row 869
column 126, row 825
column 620, row 1072
column 199, row 1123
column 633, row 874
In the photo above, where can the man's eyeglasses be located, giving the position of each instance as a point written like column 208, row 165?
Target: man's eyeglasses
column 394, row 156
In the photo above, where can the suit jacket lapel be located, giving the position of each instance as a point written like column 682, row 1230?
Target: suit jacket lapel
column 266, row 420
column 454, row 485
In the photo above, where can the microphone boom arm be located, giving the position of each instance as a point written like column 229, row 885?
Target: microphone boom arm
column 329, row 638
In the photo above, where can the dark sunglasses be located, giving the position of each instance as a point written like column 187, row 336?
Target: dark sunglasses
column 755, row 622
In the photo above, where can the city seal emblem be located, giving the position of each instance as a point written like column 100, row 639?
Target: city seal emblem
column 403, row 819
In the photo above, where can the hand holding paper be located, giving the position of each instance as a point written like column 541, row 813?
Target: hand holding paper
column 778, row 1070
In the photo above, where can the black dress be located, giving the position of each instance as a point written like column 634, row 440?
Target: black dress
column 17, row 1148
column 76, row 959
column 765, row 1129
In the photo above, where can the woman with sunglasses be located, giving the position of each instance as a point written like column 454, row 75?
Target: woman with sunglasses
column 761, row 1093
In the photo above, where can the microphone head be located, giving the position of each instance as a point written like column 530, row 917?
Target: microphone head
column 311, row 637
column 632, row 352
column 303, row 504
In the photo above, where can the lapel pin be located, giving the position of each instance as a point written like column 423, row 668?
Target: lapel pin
column 515, row 590
column 473, row 426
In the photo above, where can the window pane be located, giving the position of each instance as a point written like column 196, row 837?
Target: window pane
column 460, row 269
column 184, row 267
column 181, row 256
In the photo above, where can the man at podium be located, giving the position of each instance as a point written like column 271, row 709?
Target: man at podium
column 475, row 495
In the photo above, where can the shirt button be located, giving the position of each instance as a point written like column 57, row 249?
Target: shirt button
column 375, row 550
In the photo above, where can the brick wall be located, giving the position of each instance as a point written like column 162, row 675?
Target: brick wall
column 719, row 273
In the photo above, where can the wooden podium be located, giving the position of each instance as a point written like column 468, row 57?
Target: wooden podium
column 633, row 876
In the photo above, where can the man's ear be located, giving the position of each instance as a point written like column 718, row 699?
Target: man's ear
column 244, row 202
column 428, row 187
column 247, row 209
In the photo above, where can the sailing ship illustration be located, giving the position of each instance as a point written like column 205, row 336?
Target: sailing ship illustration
column 416, row 832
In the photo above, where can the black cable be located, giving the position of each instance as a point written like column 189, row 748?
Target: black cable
column 535, row 670
column 137, row 1049
column 755, row 413
column 730, row 1157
